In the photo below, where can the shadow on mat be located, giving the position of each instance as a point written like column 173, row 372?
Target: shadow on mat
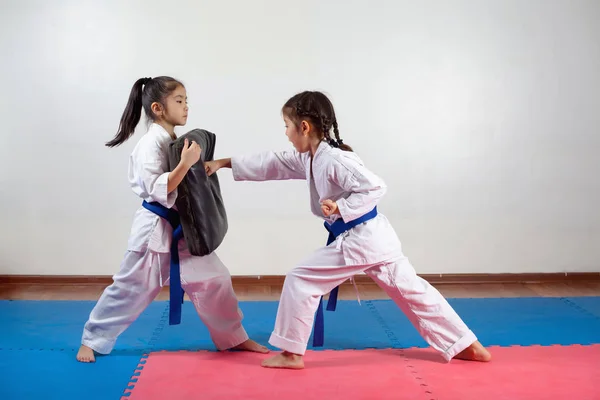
column 122, row 352
column 423, row 354
column 333, row 361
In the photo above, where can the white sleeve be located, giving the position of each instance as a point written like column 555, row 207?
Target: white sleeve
column 149, row 177
column 268, row 166
column 366, row 189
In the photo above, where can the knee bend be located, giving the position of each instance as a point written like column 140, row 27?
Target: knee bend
column 294, row 276
column 213, row 283
column 296, row 281
column 222, row 282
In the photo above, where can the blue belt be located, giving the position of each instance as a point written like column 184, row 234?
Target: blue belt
column 176, row 292
column 335, row 229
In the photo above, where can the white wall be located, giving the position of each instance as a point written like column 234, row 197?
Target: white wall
column 482, row 116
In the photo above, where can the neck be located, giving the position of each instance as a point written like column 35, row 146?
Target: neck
column 314, row 145
column 168, row 127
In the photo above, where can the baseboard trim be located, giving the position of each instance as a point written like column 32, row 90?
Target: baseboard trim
column 256, row 280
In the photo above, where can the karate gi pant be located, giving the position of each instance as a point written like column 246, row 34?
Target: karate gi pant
column 425, row 307
column 206, row 280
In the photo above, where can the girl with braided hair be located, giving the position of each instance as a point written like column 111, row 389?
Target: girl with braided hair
column 345, row 194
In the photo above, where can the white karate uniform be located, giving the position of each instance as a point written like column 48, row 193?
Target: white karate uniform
column 145, row 267
column 371, row 247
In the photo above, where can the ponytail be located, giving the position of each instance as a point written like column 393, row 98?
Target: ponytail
column 132, row 114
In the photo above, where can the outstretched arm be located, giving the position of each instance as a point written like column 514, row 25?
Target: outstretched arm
column 265, row 166
column 213, row 166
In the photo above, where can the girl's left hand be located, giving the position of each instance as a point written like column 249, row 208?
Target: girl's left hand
column 329, row 207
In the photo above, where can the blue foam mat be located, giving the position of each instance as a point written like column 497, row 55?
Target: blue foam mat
column 587, row 304
column 34, row 332
column 381, row 324
column 507, row 321
column 350, row 326
column 46, row 374
column 45, row 324
column 374, row 324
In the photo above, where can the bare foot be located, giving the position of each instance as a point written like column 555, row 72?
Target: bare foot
column 251, row 345
column 475, row 352
column 284, row 360
column 85, row 354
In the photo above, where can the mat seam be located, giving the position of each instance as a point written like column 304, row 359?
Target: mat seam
column 427, row 390
column 579, row 308
column 143, row 359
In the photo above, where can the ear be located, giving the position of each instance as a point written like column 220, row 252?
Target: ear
column 305, row 128
column 157, row 109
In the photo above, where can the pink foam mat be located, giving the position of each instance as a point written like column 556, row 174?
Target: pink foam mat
column 553, row 373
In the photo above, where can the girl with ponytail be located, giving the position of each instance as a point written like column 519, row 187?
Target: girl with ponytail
column 145, row 266
column 345, row 194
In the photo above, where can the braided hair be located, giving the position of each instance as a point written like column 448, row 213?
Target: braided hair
column 316, row 108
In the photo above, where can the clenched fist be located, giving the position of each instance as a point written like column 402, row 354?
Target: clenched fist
column 329, row 207
column 211, row 167
column 190, row 154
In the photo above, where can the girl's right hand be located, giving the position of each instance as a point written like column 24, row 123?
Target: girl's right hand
column 190, row 154
column 211, row 167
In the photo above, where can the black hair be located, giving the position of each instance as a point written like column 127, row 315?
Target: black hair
column 317, row 108
column 144, row 92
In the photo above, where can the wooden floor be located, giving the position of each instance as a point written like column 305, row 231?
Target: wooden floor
column 255, row 292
